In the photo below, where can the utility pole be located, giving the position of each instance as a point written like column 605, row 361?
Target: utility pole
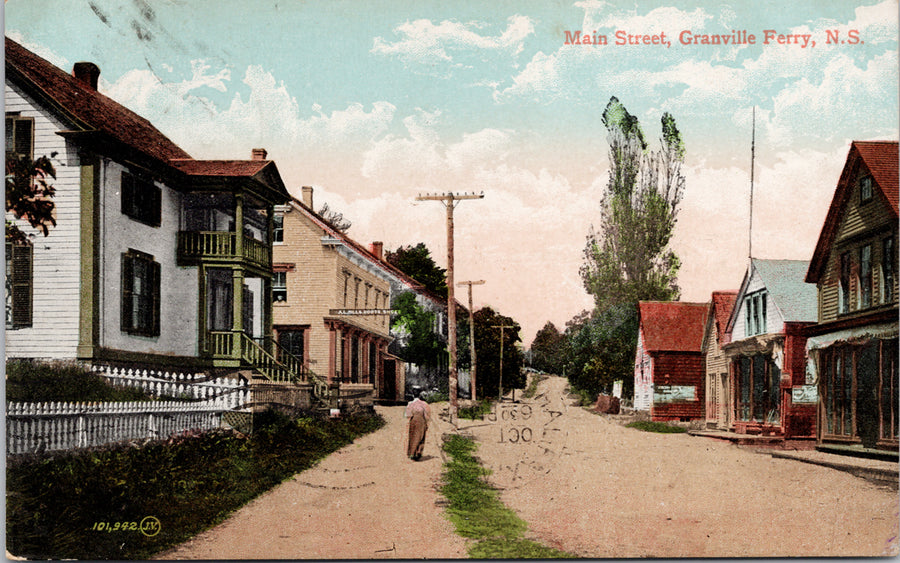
column 502, row 334
column 471, row 336
column 450, row 201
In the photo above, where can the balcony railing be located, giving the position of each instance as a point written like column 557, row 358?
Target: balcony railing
column 194, row 246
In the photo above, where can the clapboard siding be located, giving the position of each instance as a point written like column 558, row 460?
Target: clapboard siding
column 683, row 369
column 179, row 291
column 55, row 303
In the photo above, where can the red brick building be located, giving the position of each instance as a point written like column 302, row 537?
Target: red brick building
column 669, row 369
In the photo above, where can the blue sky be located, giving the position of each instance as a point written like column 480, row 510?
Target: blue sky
column 375, row 102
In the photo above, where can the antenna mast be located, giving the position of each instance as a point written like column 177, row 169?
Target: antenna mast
column 752, row 162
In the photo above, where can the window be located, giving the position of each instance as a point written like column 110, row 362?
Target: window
column 19, row 137
column 293, row 342
column 758, row 385
column 887, row 270
column 18, row 285
column 844, row 285
column 279, row 287
column 141, row 199
column 140, row 294
column 865, row 276
column 755, row 306
column 278, row 231
column 865, row 189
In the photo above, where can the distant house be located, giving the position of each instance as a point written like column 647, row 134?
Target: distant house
column 158, row 262
column 853, row 346
column 668, row 369
column 718, row 392
column 332, row 300
column 769, row 384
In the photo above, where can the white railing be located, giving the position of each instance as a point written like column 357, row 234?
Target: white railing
column 40, row 427
column 221, row 392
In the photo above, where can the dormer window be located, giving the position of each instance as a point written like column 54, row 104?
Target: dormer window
column 865, row 189
column 755, row 311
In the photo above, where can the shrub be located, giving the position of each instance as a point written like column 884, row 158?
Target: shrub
column 188, row 483
column 659, row 427
column 32, row 381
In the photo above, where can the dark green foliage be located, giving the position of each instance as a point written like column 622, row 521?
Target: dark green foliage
column 477, row 411
column 487, row 351
column 189, row 484
column 658, row 427
column 477, row 512
column 417, row 263
column 419, row 343
column 62, row 381
column 629, row 259
column 601, row 350
column 548, row 349
column 29, row 195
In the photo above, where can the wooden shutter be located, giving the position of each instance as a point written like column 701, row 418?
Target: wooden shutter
column 155, row 285
column 127, row 292
column 21, row 284
column 127, row 193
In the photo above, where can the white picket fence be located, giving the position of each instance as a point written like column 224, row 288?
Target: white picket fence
column 224, row 392
column 40, row 427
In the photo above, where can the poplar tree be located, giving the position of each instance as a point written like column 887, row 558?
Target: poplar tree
column 629, row 258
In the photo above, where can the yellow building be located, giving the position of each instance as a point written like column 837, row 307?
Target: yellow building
column 331, row 301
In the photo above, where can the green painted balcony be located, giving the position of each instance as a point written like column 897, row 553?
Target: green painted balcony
column 221, row 247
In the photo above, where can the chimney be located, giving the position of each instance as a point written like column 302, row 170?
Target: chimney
column 258, row 154
column 87, row 74
column 308, row 197
column 378, row 249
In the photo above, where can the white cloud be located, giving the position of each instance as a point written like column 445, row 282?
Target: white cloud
column 40, row 50
column 430, row 47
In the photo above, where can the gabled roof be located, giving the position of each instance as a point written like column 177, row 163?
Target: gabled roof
column 795, row 300
column 720, row 306
column 881, row 159
column 86, row 108
column 672, row 326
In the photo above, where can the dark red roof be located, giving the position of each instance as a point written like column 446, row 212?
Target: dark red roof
column 220, row 167
column 722, row 303
column 881, row 159
column 672, row 326
column 88, row 108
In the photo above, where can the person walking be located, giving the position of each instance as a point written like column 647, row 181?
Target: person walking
column 418, row 412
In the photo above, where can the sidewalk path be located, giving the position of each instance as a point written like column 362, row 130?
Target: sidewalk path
column 365, row 501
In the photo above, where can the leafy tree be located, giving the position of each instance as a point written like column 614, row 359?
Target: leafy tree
column 600, row 350
column 548, row 349
column 29, row 195
column 629, row 259
column 487, row 352
column 417, row 263
column 334, row 218
column 414, row 325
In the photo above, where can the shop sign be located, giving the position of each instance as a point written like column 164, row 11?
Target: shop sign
column 674, row 394
column 808, row 394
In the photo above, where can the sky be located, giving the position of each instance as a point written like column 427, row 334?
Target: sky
column 374, row 103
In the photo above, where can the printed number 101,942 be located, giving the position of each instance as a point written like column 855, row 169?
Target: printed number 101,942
column 116, row 526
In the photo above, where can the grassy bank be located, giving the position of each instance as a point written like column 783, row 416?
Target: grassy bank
column 659, row 427
column 106, row 504
column 476, row 511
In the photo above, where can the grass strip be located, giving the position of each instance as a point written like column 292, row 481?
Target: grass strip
column 536, row 380
column 90, row 505
column 477, row 512
column 659, row 427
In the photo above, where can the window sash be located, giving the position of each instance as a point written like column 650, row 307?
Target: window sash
column 141, row 199
column 140, row 294
column 865, row 276
column 279, row 287
column 20, row 136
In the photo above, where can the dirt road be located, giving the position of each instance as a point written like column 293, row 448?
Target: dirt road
column 592, row 487
column 584, row 484
column 365, row 501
